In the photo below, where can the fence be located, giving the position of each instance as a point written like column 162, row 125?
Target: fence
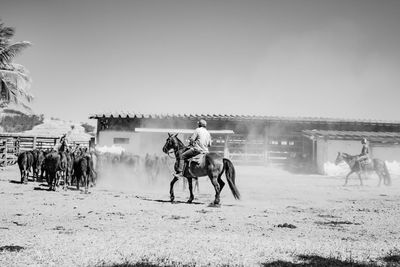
column 12, row 144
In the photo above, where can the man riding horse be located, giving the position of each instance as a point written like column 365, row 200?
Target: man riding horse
column 62, row 145
column 363, row 158
column 212, row 164
column 199, row 143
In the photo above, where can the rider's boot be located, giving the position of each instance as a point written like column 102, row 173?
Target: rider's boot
column 179, row 171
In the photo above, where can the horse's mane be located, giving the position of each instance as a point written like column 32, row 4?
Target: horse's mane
column 346, row 155
column 180, row 142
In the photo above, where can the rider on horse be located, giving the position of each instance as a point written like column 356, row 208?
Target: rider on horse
column 62, row 143
column 199, row 143
column 363, row 158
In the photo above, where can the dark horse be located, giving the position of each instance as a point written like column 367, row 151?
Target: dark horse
column 25, row 163
column 212, row 166
column 377, row 165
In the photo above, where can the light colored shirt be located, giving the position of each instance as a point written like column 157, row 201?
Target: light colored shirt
column 57, row 146
column 201, row 140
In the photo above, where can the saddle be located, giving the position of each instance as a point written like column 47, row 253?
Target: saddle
column 198, row 161
column 365, row 162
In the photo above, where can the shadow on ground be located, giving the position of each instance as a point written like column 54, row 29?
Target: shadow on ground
column 11, row 248
column 391, row 260
column 169, row 201
column 317, row 261
column 138, row 264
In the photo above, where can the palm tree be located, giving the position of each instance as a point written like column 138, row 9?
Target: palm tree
column 14, row 78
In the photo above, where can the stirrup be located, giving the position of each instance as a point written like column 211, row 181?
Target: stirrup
column 178, row 175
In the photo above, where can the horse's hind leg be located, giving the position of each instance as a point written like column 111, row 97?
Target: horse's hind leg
column 380, row 178
column 221, row 183
column 190, row 182
column 86, row 182
column 214, row 181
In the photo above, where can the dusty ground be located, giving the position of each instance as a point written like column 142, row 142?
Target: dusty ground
column 115, row 225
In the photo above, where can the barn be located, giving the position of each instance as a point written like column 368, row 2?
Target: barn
column 248, row 139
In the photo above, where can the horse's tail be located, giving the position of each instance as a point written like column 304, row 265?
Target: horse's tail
column 230, row 177
column 388, row 180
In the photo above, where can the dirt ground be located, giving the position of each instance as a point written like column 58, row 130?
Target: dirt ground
column 282, row 218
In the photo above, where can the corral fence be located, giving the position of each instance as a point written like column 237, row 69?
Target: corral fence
column 11, row 144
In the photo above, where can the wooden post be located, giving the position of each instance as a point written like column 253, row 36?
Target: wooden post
column 266, row 144
column 226, row 147
column 314, row 152
column 3, row 158
column 5, row 153
column 34, row 142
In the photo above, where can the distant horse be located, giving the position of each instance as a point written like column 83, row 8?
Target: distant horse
column 152, row 166
column 130, row 160
column 52, row 164
column 25, row 163
column 83, row 169
column 377, row 165
column 38, row 158
column 212, row 165
column 63, row 168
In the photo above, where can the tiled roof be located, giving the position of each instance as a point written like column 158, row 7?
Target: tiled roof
column 183, row 131
column 354, row 135
column 235, row 117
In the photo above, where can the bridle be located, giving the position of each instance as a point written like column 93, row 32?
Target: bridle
column 169, row 154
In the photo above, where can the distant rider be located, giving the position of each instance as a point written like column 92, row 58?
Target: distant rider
column 59, row 144
column 199, row 143
column 364, row 156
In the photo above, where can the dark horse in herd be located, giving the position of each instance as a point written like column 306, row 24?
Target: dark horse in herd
column 211, row 165
column 64, row 164
column 376, row 165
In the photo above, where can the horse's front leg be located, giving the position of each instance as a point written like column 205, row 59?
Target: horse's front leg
column 347, row 178
column 190, row 190
column 171, row 189
column 196, row 185
column 359, row 176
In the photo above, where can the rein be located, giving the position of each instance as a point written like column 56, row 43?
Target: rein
column 169, row 154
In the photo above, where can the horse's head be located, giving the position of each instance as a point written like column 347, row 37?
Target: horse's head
column 339, row 158
column 172, row 142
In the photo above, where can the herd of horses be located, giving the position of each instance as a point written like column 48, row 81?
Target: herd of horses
column 71, row 166
column 77, row 166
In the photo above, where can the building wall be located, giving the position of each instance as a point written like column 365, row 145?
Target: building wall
column 386, row 152
column 139, row 143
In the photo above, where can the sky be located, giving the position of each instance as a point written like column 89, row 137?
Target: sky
column 314, row 58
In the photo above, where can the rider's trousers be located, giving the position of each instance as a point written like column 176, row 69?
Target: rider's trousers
column 191, row 152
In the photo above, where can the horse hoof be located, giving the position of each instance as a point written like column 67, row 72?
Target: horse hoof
column 190, row 201
column 172, row 199
column 214, row 205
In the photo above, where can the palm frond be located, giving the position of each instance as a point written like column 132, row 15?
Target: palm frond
column 17, row 84
column 9, row 52
column 6, row 33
